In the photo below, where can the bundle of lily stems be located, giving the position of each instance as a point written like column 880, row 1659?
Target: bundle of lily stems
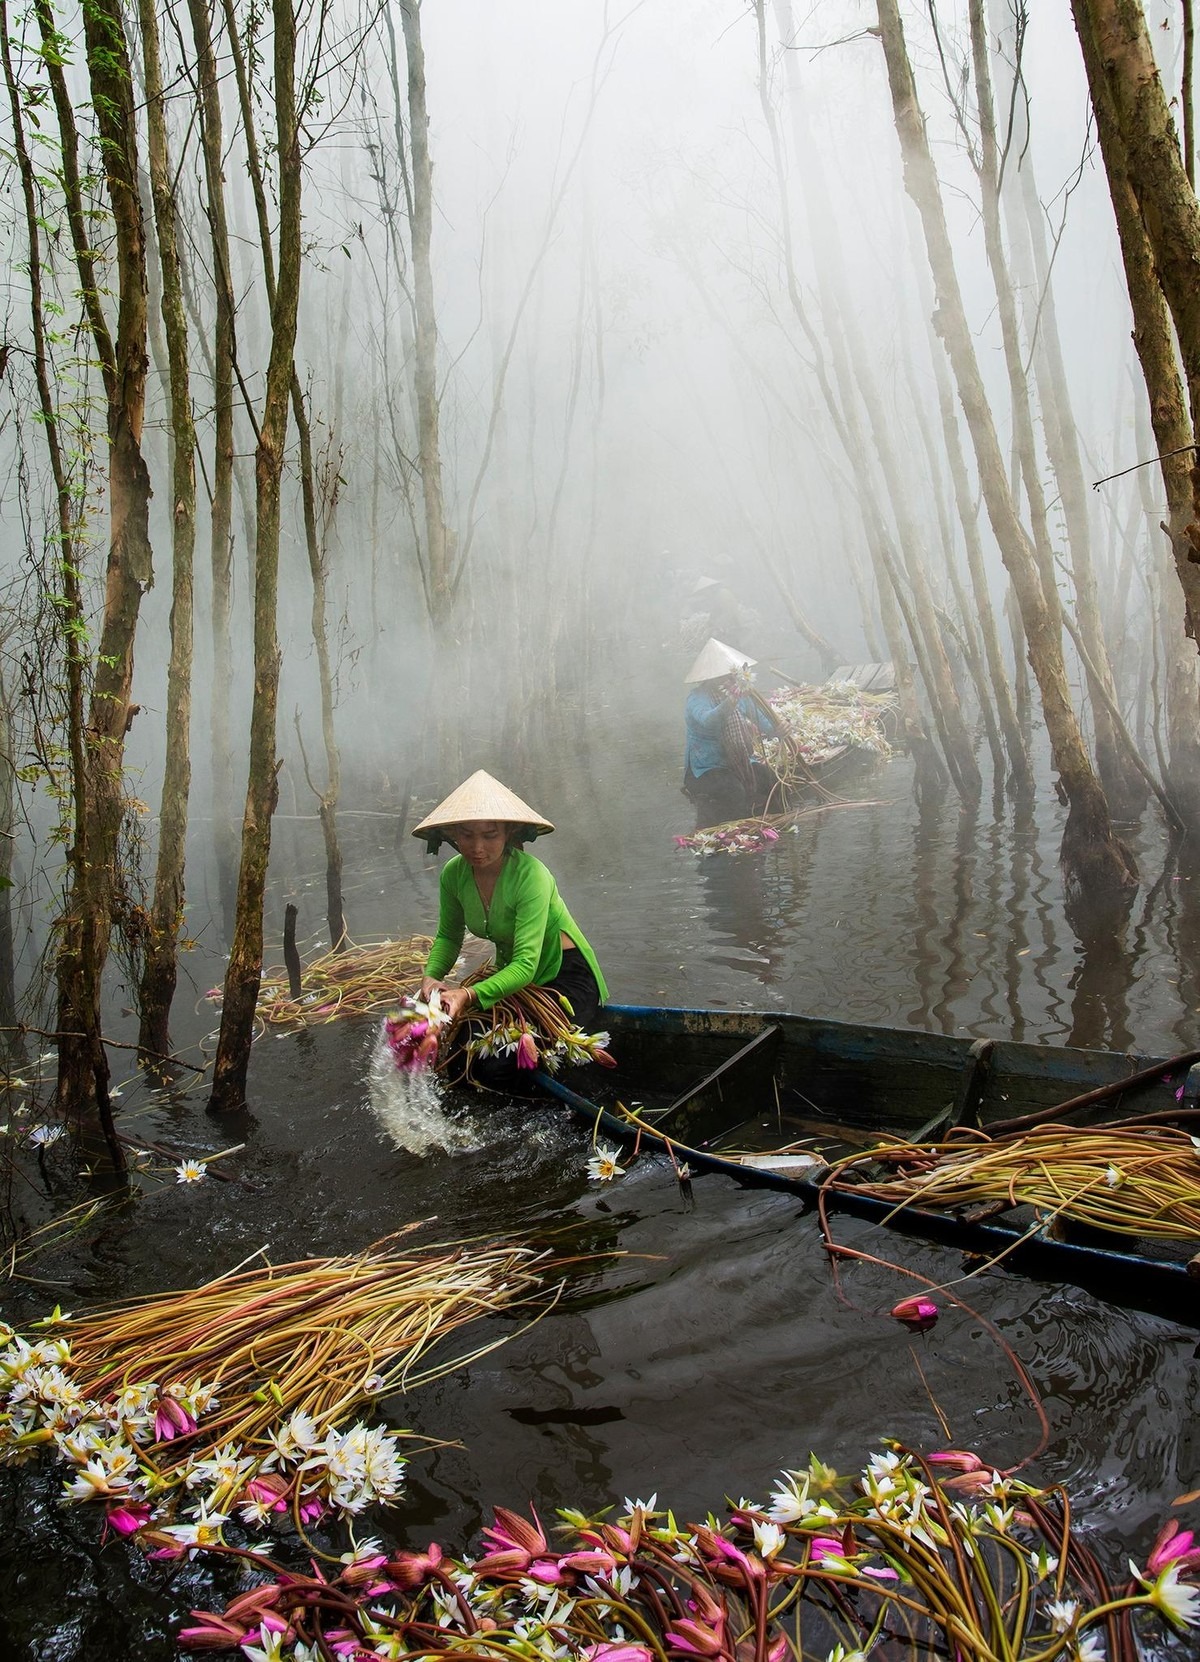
column 917, row 1558
column 1133, row 1181
column 534, row 1025
column 357, row 981
column 235, row 1394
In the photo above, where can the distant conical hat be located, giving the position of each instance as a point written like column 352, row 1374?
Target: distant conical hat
column 702, row 583
column 481, row 797
column 716, row 659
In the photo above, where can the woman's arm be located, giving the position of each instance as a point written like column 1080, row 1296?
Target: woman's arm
column 707, row 722
column 452, row 926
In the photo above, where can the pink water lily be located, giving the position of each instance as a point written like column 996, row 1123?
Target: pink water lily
column 212, row 1633
column 410, row 1570
column 609, row 1651
column 267, row 1490
column 918, row 1312
column 694, row 1638
column 957, row 1459
column 128, row 1518
column 1172, row 1545
column 171, row 1419
column 527, row 1051
column 516, row 1545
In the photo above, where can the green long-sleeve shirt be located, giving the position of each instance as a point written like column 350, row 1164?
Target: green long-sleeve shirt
column 525, row 921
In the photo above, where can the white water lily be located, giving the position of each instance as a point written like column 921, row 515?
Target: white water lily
column 789, row 1501
column 190, row 1171
column 768, row 1538
column 1062, row 1614
column 43, row 1135
column 1178, row 1602
column 603, row 1167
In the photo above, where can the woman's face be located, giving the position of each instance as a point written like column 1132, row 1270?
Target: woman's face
column 480, row 842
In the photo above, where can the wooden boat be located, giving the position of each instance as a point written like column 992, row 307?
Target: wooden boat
column 714, row 1081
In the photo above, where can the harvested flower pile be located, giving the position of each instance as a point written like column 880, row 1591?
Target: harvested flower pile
column 355, row 982
column 233, row 1396
column 820, row 721
column 937, row 1557
column 1135, row 1182
column 532, row 1025
column 741, row 836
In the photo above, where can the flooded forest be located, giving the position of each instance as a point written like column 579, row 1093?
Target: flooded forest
column 739, row 456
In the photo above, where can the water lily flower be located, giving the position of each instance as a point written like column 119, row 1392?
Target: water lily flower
column 1172, row 1545
column 958, row 1459
column 1063, row 1614
column 602, row 1167
column 1179, row 1603
column 171, row 1419
column 410, row 1570
column 695, row 1638
column 789, row 1502
column 43, row 1135
column 211, row 1633
column 128, row 1517
column 515, row 1542
column 768, row 1538
column 611, row 1651
column 918, row 1312
column 190, row 1171
column 527, row 1050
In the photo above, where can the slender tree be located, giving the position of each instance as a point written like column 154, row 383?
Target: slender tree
column 221, row 483
column 160, row 969
column 1096, row 862
column 244, row 973
column 87, row 923
column 438, row 547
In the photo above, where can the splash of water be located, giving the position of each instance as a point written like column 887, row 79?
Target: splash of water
column 411, row 1107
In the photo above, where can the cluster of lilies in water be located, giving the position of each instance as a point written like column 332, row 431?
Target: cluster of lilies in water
column 920, row 1555
column 933, row 1556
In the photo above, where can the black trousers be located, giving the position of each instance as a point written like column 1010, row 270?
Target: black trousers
column 577, row 985
column 719, row 794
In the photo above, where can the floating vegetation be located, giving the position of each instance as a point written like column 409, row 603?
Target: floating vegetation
column 1133, row 1181
column 917, row 1558
column 234, row 1395
column 359, row 981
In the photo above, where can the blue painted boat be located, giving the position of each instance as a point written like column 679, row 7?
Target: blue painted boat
column 714, row 1086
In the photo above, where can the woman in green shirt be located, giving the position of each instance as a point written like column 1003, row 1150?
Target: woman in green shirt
column 503, row 895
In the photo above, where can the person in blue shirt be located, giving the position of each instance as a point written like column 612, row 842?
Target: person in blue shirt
column 721, row 774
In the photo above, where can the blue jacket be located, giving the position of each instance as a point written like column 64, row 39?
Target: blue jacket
column 703, row 719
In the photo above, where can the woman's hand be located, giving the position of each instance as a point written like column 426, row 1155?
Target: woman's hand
column 457, row 1001
column 430, row 985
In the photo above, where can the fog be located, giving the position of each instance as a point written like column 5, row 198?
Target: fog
column 633, row 389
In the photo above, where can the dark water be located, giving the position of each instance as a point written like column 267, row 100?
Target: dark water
column 706, row 1346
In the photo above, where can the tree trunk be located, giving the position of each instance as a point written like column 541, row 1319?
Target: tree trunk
column 221, row 519
column 314, row 542
column 1118, row 53
column 1095, row 861
column 86, row 926
column 1121, row 785
column 244, row 973
column 437, row 542
column 160, row 968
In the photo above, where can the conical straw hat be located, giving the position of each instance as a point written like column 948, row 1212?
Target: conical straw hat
column 481, row 797
column 716, row 659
